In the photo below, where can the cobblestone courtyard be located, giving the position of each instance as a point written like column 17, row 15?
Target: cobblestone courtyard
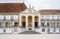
column 29, row 36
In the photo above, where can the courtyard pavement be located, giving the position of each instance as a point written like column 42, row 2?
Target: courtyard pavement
column 29, row 36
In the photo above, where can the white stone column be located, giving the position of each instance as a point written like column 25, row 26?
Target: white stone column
column 45, row 23
column 55, row 23
column 39, row 21
column 49, row 24
column 3, row 24
column 33, row 23
column 26, row 22
column 11, row 24
column 20, row 21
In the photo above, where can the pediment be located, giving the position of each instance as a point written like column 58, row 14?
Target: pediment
column 27, row 11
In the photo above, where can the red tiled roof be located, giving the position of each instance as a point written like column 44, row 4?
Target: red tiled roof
column 49, row 11
column 12, row 7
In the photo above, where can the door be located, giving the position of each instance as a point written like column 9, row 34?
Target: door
column 36, row 24
column 23, row 24
column 36, row 21
column 23, row 21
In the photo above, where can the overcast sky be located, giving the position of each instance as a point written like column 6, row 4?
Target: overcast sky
column 38, row 4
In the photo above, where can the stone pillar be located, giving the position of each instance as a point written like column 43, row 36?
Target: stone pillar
column 45, row 23
column 50, row 24
column 20, row 21
column 56, row 24
column 11, row 24
column 3, row 24
column 39, row 24
column 33, row 23
column 26, row 22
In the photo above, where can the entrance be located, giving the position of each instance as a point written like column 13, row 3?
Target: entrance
column 36, row 21
column 23, row 21
column 36, row 24
column 30, row 22
column 23, row 24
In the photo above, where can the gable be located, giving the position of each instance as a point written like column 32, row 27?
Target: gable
column 29, row 11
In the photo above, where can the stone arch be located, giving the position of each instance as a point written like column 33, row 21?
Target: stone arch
column 36, row 19
column 23, row 21
column 29, row 21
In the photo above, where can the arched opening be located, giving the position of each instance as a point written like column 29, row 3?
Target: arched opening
column 23, row 21
column 36, row 21
column 15, row 24
column 29, row 21
column 7, row 24
column 47, row 24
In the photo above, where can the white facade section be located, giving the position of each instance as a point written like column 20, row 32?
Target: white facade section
column 8, row 17
column 32, row 21
column 1, row 17
column 15, row 17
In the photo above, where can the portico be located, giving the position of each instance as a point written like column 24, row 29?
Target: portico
column 29, row 19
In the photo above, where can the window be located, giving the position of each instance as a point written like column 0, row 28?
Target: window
column 8, row 17
column 15, row 17
column 50, row 17
column 43, row 30
column 42, row 17
column 46, row 17
column 42, row 24
column 1, row 17
column 51, row 29
column 15, row 24
column 7, row 24
column 53, row 18
column 58, row 17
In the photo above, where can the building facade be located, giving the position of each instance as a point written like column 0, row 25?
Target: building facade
column 17, row 18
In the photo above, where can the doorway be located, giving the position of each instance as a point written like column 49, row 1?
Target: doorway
column 23, row 24
column 29, row 21
column 36, row 24
column 36, row 21
column 23, row 21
